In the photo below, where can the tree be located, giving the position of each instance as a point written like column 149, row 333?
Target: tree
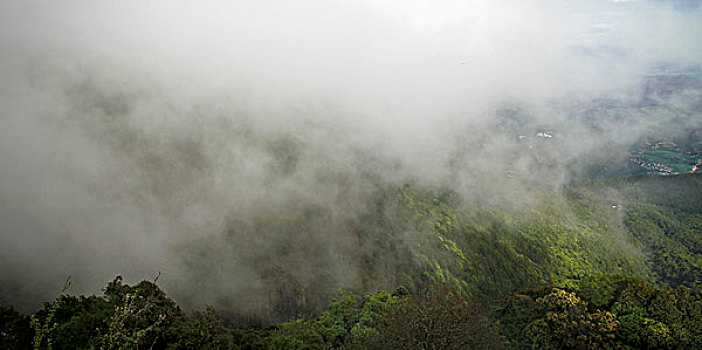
column 15, row 331
column 441, row 318
column 568, row 324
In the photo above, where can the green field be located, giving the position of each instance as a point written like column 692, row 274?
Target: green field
column 680, row 162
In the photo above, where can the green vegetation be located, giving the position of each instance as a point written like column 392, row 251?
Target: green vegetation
column 643, row 226
column 623, row 315
column 604, row 311
column 621, row 259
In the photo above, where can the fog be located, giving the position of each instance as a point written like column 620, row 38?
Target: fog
column 200, row 139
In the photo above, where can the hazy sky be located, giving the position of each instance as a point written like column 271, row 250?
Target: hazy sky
column 130, row 129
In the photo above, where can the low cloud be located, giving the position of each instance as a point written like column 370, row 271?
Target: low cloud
column 205, row 140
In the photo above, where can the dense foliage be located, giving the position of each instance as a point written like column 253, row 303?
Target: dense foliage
column 600, row 312
column 623, row 314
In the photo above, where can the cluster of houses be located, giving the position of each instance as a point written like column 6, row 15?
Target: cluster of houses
column 658, row 168
column 663, row 145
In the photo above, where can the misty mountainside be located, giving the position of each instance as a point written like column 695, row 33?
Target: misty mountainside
column 412, row 235
column 269, row 210
column 611, row 263
column 327, row 174
column 265, row 212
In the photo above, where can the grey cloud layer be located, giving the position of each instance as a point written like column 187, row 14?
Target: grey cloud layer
column 133, row 133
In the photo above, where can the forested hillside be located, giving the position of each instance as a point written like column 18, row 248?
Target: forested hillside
column 604, row 263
